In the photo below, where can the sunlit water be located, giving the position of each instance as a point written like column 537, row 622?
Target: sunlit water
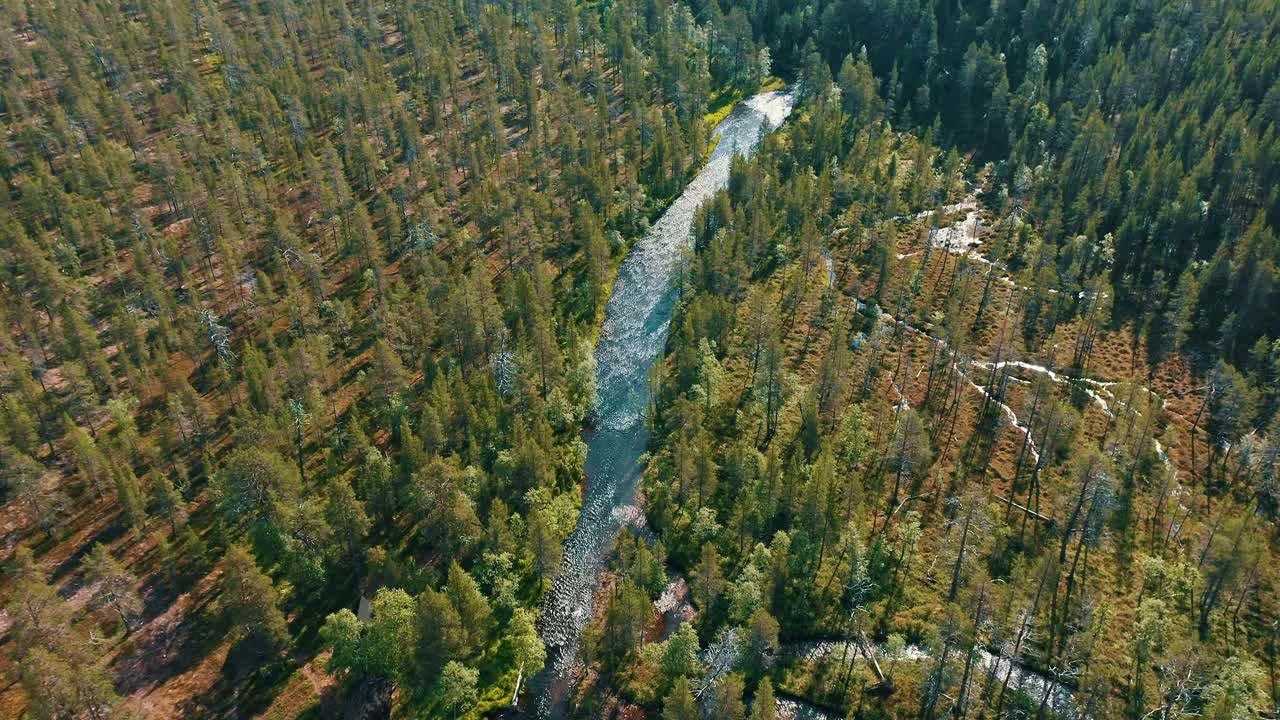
column 637, row 322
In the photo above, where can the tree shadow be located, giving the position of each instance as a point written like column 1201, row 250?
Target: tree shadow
column 107, row 535
column 169, row 651
column 248, row 681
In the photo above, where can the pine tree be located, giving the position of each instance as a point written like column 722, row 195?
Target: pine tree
column 679, row 704
column 763, row 706
column 708, row 580
column 168, row 503
column 250, row 604
column 440, row 633
column 114, row 585
column 727, row 698
column 473, row 609
column 130, row 497
column 679, row 658
column 345, row 514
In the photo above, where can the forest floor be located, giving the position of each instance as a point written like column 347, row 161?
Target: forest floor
column 904, row 358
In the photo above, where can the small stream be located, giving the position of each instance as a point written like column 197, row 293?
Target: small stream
column 790, row 708
column 986, row 664
column 636, row 325
column 830, row 264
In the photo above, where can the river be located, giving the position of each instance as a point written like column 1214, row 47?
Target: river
column 636, row 326
column 637, row 322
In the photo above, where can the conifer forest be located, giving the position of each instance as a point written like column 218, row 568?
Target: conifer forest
column 640, row 359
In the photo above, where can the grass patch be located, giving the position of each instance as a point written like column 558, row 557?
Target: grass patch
column 723, row 102
column 726, row 99
column 773, row 82
column 496, row 696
